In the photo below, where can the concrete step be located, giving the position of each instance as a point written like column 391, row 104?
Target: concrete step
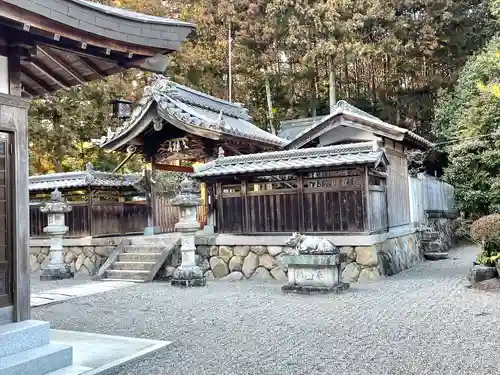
column 152, row 240
column 146, row 248
column 37, row 361
column 434, row 247
column 138, row 257
column 435, row 256
column 137, row 266
column 71, row 370
column 430, row 236
column 126, row 274
column 21, row 336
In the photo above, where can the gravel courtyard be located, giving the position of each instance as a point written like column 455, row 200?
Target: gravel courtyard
column 422, row 321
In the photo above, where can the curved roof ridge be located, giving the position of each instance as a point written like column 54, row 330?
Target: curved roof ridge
column 132, row 15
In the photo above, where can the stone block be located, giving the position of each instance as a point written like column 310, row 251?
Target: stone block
column 225, row 253
column 259, row 250
column 267, row 261
column 250, row 264
column 36, row 267
column 369, row 274
column 203, row 251
column 205, row 265
column 280, row 259
column 278, row 274
column 70, row 257
column 35, row 250
column 88, row 251
column 218, row 267
column 351, row 273
column 479, row 273
column 209, row 275
column 104, row 251
column 33, row 261
column 45, row 250
column 241, row 251
column 367, row 256
column 234, row 276
column 236, row 263
column 76, row 249
column 262, row 274
column 90, row 266
column 214, row 251
column 314, row 273
column 79, row 262
column 274, row 250
column 349, row 252
column 169, row 272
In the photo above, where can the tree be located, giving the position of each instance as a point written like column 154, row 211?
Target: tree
column 470, row 117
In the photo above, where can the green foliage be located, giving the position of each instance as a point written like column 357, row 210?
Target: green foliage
column 470, row 117
column 486, row 231
column 389, row 58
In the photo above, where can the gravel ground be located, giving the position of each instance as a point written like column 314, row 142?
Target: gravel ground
column 422, row 321
column 44, row 286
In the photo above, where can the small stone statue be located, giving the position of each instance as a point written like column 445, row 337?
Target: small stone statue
column 303, row 244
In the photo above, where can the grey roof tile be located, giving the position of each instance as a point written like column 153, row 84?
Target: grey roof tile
column 345, row 108
column 194, row 108
column 307, row 158
column 81, row 179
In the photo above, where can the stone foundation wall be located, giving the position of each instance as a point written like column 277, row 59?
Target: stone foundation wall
column 84, row 258
column 369, row 263
column 239, row 262
column 446, row 228
column 364, row 263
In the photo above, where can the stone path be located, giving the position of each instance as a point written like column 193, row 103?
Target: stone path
column 422, row 321
column 50, row 295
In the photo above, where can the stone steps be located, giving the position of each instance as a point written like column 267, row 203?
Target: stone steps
column 435, row 256
column 127, row 274
column 157, row 248
column 26, row 349
column 432, row 246
column 139, row 266
column 139, row 257
column 71, row 370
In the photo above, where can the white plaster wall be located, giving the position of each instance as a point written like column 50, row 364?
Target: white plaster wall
column 343, row 133
column 4, row 75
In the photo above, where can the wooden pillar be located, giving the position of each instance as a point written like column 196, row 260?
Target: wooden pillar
column 245, row 209
column 14, row 122
column 300, row 202
column 367, row 225
column 153, row 196
column 90, row 215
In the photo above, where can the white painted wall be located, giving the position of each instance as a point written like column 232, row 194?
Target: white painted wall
column 344, row 133
column 4, row 75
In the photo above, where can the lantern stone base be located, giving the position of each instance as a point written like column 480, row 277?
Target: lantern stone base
column 62, row 273
column 151, row 231
column 188, row 276
column 314, row 273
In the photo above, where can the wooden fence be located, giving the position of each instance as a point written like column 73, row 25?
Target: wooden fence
column 104, row 219
column 112, row 218
column 329, row 202
column 430, row 195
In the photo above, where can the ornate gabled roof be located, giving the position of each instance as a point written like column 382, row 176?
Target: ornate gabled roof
column 357, row 116
column 191, row 111
column 289, row 129
column 307, row 158
column 81, row 179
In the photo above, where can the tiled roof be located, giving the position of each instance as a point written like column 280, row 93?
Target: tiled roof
column 195, row 109
column 343, row 108
column 81, row 179
column 289, row 129
column 331, row 156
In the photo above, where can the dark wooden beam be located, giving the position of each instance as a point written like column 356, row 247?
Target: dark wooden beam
column 31, row 77
column 91, row 66
column 62, row 64
column 173, row 168
column 43, row 70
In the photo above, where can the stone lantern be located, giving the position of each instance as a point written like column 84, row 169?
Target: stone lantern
column 55, row 209
column 188, row 273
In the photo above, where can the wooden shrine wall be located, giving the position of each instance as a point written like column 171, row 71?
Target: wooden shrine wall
column 326, row 201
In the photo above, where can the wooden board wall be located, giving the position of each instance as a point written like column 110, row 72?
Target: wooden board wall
column 398, row 189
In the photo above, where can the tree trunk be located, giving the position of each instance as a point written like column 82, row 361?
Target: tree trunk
column 331, row 84
column 269, row 104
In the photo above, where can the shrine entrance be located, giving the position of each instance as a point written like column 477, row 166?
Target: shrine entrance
column 6, row 243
